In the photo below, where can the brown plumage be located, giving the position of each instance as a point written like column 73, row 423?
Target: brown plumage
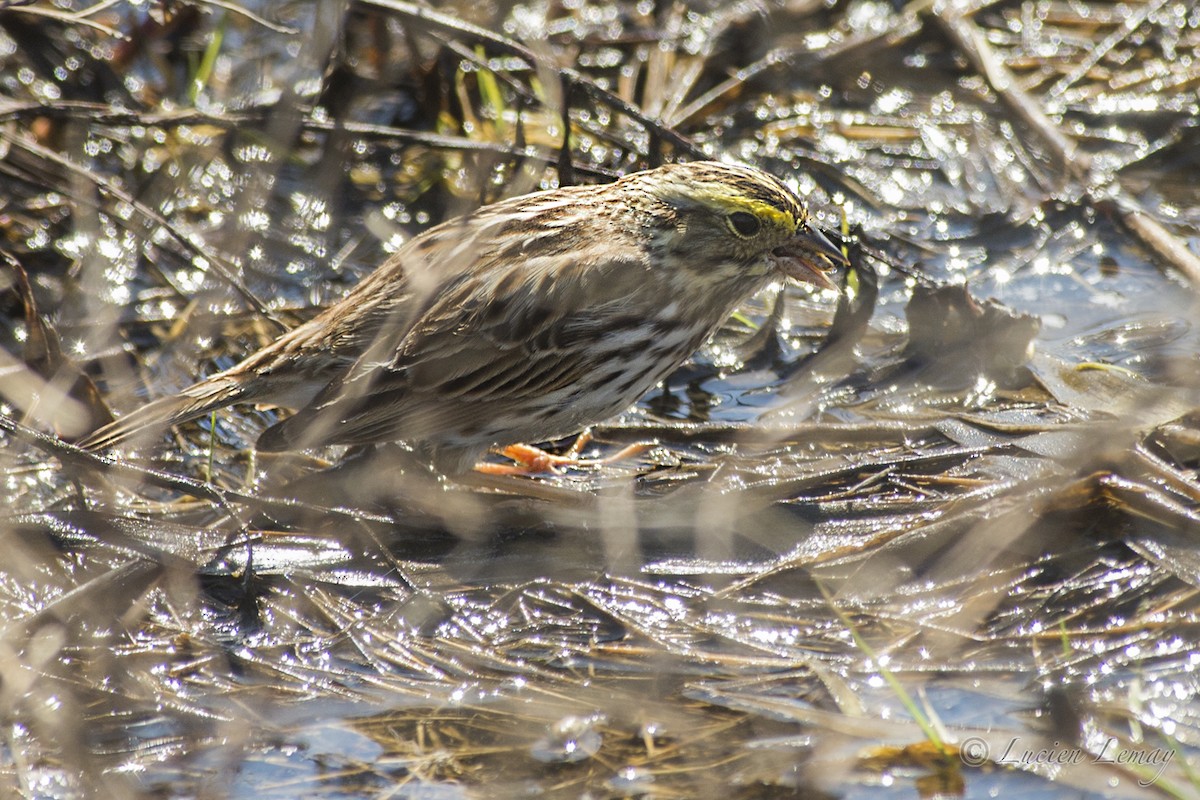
column 526, row 320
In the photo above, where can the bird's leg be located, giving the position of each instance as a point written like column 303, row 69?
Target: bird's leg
column 581, row 441
column 533, row 460
column 529, row 460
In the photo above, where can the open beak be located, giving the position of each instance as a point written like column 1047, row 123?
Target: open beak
column 809, row 256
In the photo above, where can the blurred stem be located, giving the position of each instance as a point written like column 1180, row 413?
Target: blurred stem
column 893, row 682
column 1065, row 638
column 1188, row 772
column 489, row 90
column 851, row 274
column 208, row 63
column 739, row 316
column 212, row 443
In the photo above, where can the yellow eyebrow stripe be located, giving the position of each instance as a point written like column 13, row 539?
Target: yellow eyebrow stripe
column 764, row 211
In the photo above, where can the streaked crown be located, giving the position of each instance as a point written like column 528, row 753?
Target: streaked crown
column 731, row 188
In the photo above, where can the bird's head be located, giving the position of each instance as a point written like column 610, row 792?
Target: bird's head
column 717, row 218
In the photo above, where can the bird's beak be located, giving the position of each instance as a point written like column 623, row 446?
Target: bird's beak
column 809, row 256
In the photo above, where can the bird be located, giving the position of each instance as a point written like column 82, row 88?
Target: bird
column 526, row 320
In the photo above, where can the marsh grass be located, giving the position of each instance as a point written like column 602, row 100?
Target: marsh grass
column 863, row 535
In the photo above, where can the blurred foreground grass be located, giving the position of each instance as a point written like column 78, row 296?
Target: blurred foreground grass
column 902, row 558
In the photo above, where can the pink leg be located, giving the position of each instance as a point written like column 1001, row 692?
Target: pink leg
column 532, row 460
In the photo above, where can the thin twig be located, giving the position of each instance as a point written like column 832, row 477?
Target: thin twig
column 234, row 8
column 968, row 39
column 971, row 42
column 102, row 114
column 71, row 17
column 513, row 48
column 227, row 500
column 226, row 272
column 112, row 467
column 1095, row 55
column 1165, row 244
column 524, row 94
column 732, row 84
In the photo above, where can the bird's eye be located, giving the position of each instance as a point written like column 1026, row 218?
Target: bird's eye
column 744, row 224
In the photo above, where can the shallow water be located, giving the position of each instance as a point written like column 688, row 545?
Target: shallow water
column 829, row 578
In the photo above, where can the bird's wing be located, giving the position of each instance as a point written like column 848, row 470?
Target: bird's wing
column 492, row 337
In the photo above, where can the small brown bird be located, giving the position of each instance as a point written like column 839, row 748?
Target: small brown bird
column 524, row 321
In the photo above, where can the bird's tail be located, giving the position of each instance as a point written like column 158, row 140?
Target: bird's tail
column 194, row 402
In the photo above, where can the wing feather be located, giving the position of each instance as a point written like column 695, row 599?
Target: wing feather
column 493, row 338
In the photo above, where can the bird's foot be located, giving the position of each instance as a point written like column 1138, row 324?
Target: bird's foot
column 529, row 460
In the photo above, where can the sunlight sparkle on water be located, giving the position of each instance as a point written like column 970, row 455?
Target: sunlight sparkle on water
column 256, row 220
column 775, row 636
column 38, row 239
column 253, row 154
column 891, row 193
column 1124, row 104
column 892, row 101
column 191, row 280
column 981, row 392
column 95, row 147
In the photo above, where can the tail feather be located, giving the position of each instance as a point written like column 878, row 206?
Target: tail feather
column 192, row 403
